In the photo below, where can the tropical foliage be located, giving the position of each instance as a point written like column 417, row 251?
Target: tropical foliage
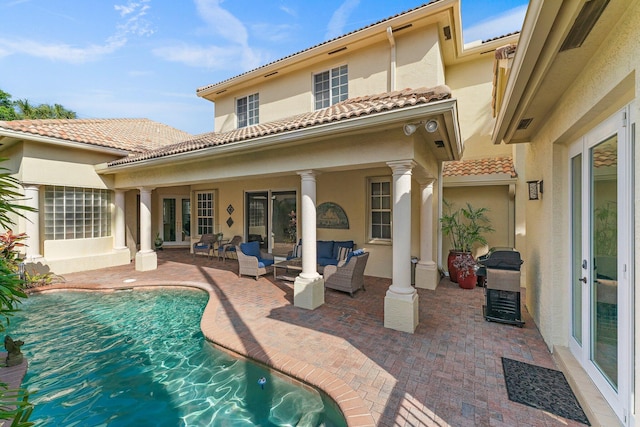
column 24, row 109
column 14, row 404
column 466, row 226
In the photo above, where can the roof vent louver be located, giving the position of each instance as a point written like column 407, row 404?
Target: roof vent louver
column 337, row 50
column 404, row 27
column 524, row 123
column 584, row 23
column 447, row 32
column 439, row 143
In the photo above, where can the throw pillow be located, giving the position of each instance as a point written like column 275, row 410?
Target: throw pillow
column 343, row 252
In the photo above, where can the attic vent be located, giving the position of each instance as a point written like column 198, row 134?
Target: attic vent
column 524, row 123
column 404, row 27
column 337, row 50
column 222, row 91
column 447, row 32
column 439, row 143
column 584, row 23
column 271, row 74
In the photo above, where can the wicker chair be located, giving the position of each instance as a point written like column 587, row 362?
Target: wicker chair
column 204, row 245
column 226, row 249
column 348, row 277
column 251, row 260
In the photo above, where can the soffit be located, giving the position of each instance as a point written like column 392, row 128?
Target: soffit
column 543, row 73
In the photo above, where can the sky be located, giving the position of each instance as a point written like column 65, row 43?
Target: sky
column 146, row 58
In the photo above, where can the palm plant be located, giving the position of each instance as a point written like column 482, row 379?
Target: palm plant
column 465, row 226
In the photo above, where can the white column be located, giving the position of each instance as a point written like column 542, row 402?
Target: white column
column 32, row 226
column 401, row 300
column 309, row 285
column 427, row 276
column 146, row 258
column 119, row 241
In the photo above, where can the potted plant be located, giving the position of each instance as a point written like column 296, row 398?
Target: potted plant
column 465, row 227
column 157, row 242
column 466, row 268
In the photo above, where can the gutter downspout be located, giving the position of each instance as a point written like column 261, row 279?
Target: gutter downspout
column 392, row 65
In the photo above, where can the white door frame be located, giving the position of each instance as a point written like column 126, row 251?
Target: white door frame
column 618, row 124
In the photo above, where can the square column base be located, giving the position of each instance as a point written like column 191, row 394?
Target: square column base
column 308, row 293
column 401, row 311
column 146, row 261
column 427, row 276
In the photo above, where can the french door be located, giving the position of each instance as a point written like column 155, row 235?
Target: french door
column 601, row 219
column 176, row 220
column 271, row 220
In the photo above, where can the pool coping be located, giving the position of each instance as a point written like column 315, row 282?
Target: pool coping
column 346, row 398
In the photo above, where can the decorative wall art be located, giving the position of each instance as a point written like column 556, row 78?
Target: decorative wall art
column 331, row 215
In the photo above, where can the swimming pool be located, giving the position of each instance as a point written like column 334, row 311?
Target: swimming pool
column 139, row 358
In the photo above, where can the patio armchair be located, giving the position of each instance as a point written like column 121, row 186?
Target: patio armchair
column 226, row 249
column 347, row 276
column 251, row 260
column 204, row 245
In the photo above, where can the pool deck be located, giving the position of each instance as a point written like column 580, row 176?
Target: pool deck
column 447, row 373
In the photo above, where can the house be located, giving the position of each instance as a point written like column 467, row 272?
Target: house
column 570, row 102
column 362, row 123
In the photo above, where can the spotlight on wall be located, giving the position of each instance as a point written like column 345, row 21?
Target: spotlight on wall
column 535, row 189
column 431, row 126
column 409, row 129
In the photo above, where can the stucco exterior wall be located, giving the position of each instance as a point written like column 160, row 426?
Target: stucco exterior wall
column 471, row 83
column 419, row 64
column 610, row 81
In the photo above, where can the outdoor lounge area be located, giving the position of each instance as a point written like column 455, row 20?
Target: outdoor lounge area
column 448, row 373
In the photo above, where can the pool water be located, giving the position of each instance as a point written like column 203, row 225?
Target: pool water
column 138, row 358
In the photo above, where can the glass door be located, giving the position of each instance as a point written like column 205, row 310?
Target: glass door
column 601, row 227
column 284, row 222
column 176, row 220
column 257, row 220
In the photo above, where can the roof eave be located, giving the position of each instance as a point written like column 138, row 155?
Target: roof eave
column 24, row 136
column 448, row 108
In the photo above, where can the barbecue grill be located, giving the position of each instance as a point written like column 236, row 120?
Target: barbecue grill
column 500, row 269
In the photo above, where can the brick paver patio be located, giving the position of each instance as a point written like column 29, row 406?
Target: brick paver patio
column 448, row 373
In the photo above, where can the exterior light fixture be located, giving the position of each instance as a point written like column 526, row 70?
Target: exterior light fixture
column 409, row 129
column 431, row 126
column 535, row 190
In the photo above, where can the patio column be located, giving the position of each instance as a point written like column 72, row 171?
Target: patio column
column 119, row 241
column 427, row 276
column 308, row 288
column 32, row 226
column 146, row 258
column 401, row 300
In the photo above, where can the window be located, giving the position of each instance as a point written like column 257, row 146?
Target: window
column 330, row 87
column 76, row 213
column 380, row 208
column 205, row 212
column 247, row 109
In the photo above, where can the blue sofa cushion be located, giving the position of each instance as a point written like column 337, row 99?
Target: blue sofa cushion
column 341, row 244
column 327, row 261
column 262, row 263
column 354, row 253
column 324, row 249
column 251, row 249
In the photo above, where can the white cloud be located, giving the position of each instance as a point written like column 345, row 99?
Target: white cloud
column 289, row 11
column 273, row 33
column 339, row 19
column 499, row 25
column 135, row 22
column 60, row 51
column 222, row 22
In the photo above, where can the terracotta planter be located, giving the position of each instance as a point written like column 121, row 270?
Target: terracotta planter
column 453, row 271
column 468, row 280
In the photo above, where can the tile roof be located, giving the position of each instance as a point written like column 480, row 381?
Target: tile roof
column 489, row 166
column 133, row 135
column 348, row 109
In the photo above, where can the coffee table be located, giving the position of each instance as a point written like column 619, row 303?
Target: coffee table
column 292, row 268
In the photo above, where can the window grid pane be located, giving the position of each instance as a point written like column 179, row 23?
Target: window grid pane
column 205, row 213
column 380, row 210
column 248, row 110
column 76, row 213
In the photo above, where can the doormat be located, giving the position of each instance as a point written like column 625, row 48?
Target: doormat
column 541, row 388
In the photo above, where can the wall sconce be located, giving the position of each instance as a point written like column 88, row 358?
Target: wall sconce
column 535, row 190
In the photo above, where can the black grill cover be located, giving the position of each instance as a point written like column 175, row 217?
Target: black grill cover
column 501, row 258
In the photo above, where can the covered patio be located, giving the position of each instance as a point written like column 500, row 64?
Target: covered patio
column 447, row 373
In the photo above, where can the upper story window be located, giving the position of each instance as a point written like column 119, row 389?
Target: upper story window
column 247, row 109
column 330, row 87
